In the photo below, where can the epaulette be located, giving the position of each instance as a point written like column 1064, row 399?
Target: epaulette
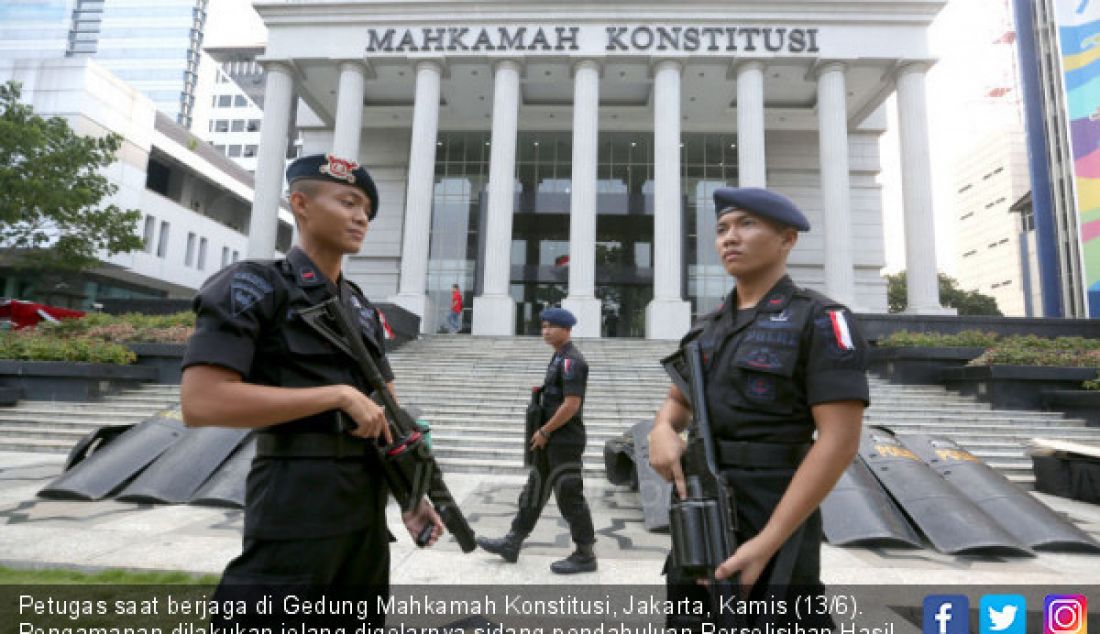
column 820, row 298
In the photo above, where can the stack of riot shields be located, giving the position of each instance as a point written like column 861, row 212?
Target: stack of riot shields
column 910, row 491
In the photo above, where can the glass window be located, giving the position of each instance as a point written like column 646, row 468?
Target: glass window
column 202, row 254
column 162, row 242
column 189, row 254
column 234, row 151
column 253, row 125
column 225, row 101
column 250, row 151
column 221, row 125
column 147, row 235
column 237, row 125
column 240, row 101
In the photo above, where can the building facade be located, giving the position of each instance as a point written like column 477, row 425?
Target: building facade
column 235, row 109
column 989, row 179
column 1059, row 98
column 153, row 46
column 539, row 155
column 195, row 203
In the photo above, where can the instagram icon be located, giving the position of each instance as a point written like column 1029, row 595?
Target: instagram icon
column 1065, row 614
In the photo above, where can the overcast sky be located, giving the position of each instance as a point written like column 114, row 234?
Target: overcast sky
column 959, row 112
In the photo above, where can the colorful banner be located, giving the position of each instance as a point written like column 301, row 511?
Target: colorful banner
column 1079, row 33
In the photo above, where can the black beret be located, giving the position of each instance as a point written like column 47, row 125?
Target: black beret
column 326, row 167
column 558, row 317
column 760, row 202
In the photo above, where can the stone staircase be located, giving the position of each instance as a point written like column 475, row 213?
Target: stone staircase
column 474, row 391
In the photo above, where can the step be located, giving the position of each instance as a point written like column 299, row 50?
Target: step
column 91, row 410
column 44, row 432
column 511, row 467
column 36, row 445
column 94, row 421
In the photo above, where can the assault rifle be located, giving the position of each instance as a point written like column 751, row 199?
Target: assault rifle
column 703, row 523
column 410, row 468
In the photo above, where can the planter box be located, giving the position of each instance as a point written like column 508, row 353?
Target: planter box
column 876, row 326
column 918, row 365
column 67, row 381
column 1075, row 404
column 165, row 358
column 1069, row 476
column 10, row 395
column 1013, row 386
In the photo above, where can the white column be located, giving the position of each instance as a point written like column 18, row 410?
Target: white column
column 349, row 111
column 916, row 187
column 832, row 125
column 751, row 161
column 582, row 301
column 412, row 291
column 494, row 309
column 668, row 316
column 271, row 161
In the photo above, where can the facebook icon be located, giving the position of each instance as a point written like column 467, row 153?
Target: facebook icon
column 946, row 614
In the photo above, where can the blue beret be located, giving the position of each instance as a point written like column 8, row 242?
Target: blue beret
column 326, row 167
column 558, row 317
column 760, row 202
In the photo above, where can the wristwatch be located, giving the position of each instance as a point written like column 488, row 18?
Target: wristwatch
column 543, row 433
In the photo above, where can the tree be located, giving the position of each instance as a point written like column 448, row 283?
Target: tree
column 966, row 302
column 52, row 189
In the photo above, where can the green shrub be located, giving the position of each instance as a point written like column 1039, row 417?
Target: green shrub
column 1093, row 384
column 128, row 328
column 964, row 339
column 1072, row 352
column 29, row 345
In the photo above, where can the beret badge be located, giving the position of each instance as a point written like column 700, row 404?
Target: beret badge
column 339, row 168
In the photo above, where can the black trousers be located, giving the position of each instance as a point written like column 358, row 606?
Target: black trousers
column 352, row 567
column 558, row 468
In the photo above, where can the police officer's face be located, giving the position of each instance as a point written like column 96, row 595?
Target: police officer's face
column 748, row 244
column 332, row 215
column 554, row 335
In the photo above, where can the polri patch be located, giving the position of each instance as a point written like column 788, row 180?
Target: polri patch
column 246, row 289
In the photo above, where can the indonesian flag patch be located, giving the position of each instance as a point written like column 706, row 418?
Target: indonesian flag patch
column 386, row 326
column 567, row 368
column 840, row 330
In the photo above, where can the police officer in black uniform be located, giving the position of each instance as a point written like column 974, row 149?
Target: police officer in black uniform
column 315, row 498
column 558, row 449
column 780, row 363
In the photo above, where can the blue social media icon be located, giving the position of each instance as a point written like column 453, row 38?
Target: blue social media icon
column 1003, row 614
column 946, row 614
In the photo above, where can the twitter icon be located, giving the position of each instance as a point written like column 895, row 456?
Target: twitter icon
column 1003, row 614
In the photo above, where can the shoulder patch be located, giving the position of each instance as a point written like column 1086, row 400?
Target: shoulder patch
column 841, row 332
column 246, row 289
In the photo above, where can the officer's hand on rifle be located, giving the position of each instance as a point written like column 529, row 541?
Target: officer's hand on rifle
column 416, row 520
column 749, row 560
column 369, row 417
column 665, row 449
column 539, row 439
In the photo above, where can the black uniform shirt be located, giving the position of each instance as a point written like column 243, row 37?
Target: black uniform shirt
column 767, row 365
column 566, row 375
column 247, row 320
